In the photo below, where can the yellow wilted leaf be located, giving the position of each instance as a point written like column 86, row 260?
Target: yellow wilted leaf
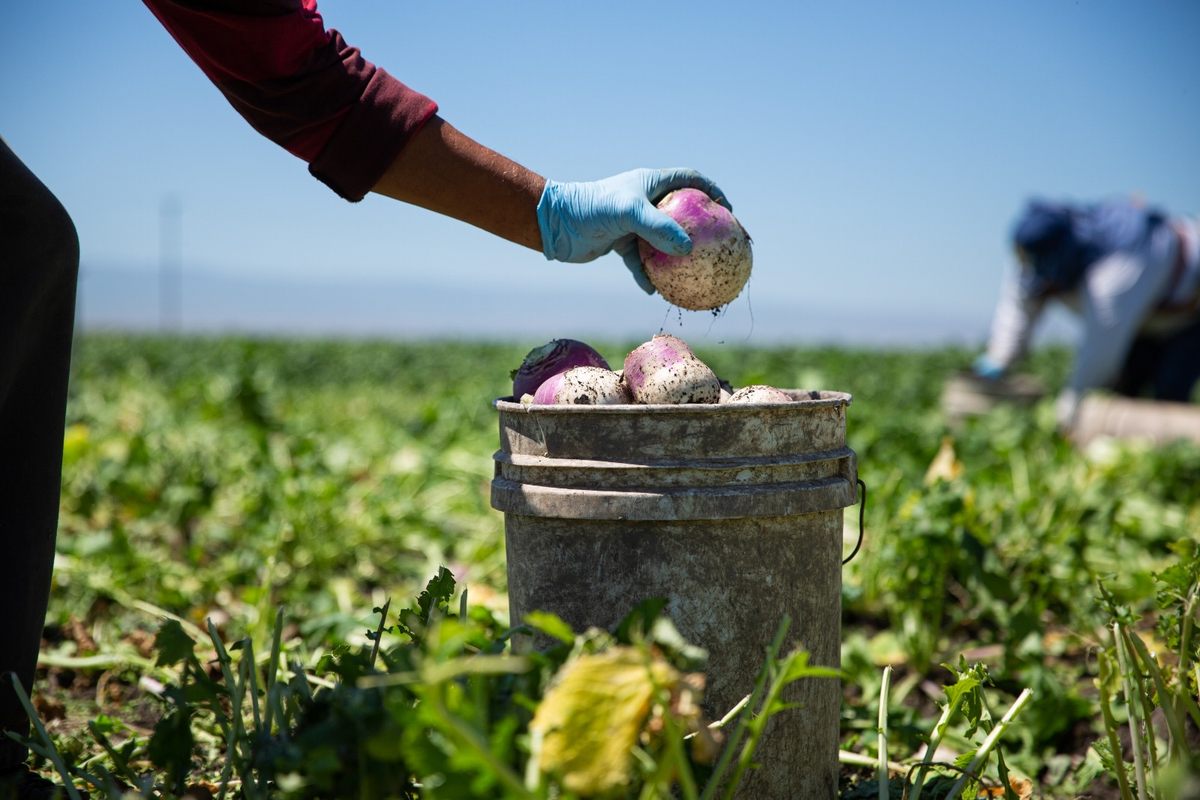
column 945, row 465
column 589, row 721
column 1022, row 787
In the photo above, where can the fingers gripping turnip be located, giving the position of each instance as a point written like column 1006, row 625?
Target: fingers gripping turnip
column 665, row 370
column 552, row 358
column 719, row 264
column 592, row 386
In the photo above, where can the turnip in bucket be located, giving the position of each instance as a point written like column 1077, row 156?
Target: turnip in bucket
column 552, row 358
column 759, row 393
column 719, row 264
column 665, row 370
column 592, row 386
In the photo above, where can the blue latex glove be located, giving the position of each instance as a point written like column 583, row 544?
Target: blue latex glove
column 987, row 369
column 583, row 221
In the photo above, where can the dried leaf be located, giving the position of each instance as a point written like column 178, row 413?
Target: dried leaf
column 945, row 465
column 592, row 717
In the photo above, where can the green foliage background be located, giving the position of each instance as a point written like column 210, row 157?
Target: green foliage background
column 222, row 479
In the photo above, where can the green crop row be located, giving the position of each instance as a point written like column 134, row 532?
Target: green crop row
column 232, row 483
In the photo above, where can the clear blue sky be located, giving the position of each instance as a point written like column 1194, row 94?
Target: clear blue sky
column 876, row 151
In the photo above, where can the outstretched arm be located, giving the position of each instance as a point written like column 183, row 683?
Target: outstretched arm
column 445, row 171
column 361, row 130
column 1012, row 326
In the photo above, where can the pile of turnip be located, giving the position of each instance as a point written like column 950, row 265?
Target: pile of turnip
column 662, row 371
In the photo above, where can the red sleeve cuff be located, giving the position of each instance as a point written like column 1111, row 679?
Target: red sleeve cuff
column 372, row 133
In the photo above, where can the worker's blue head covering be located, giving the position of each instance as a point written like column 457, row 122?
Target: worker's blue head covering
column 1060, row 240
column 1045, row 232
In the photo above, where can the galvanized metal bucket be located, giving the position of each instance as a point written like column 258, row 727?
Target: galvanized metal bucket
column 731, row 512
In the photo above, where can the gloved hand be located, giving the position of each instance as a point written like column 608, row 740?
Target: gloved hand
column 583, row 221
column 987, row 369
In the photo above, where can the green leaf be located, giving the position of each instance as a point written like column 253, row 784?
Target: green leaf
column 435, row 597
column 106, row 725
column 796, row 666
column 665, row 635
column 640, row 621
column 959, row 690
column 173, row 644
column 170, row 747
column 550, row 624
column 1002, row 771
column 437, row 593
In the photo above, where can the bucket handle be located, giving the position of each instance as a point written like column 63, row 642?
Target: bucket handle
column 862, row 510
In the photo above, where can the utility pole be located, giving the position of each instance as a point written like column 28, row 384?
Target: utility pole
column 170, row 264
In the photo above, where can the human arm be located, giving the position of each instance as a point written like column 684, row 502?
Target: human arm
column 361, row 130
column 443, row 170
column 1016, row 315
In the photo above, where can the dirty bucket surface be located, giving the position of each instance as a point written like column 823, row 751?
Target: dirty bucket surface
column 732, row 513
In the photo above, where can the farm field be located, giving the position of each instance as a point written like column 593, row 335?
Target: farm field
column 280, row 493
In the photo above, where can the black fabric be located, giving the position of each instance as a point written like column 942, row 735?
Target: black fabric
column 39, row 264
column 21, row 784
column 1165, row 368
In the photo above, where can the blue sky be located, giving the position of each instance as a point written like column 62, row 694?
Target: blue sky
column 877, row 152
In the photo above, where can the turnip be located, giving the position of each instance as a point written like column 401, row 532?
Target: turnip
column 759, row 394
column 592, row 386
column 665, row 370
column 719, row 264
column 552, row 358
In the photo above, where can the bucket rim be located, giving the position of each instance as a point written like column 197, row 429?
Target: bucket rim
column 802, row 398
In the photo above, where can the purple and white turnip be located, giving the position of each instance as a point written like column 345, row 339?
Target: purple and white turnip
column 662, row 371
column 554, row 357
column 665, row 370
column 592, row 386
column 714, row 273
column 759, row 393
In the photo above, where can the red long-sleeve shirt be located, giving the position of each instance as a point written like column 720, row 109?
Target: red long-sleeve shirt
column 300, row 85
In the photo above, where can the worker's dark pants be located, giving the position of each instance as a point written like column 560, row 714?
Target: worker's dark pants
column 1165, row 368
column 39, row 264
